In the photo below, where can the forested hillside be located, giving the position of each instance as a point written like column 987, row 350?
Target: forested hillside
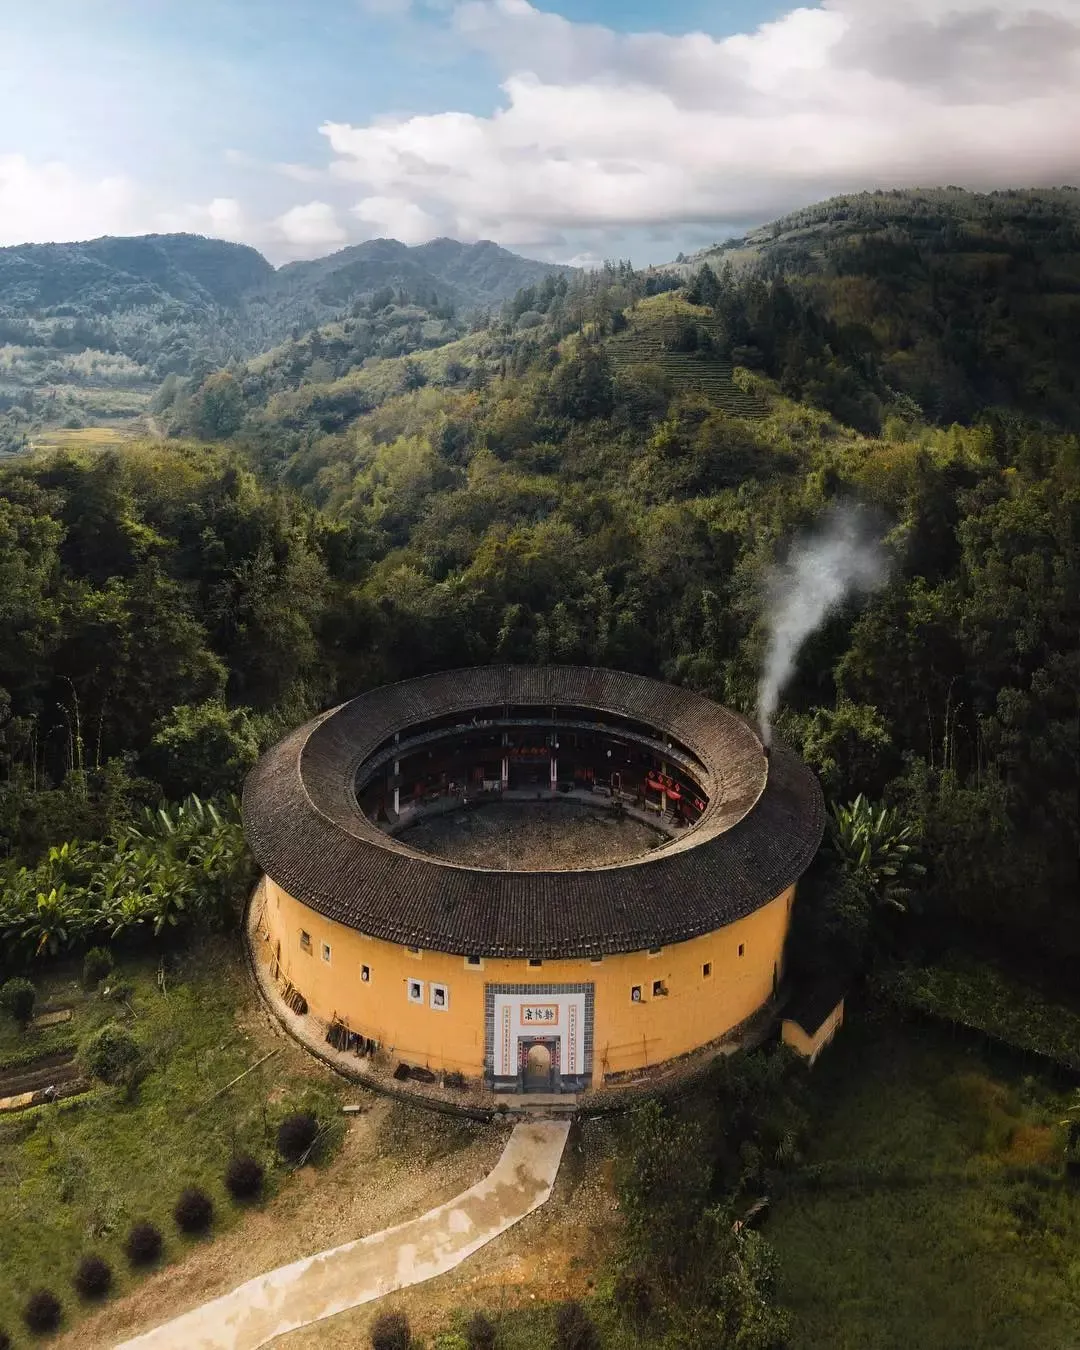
column 596, row 477
column 89, row 330
column 605, row 471
column 962, row 299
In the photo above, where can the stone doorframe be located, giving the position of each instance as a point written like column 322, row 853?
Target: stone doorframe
column 514, row 1081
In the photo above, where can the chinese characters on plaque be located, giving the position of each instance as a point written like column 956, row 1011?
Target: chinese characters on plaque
column 540, row 1014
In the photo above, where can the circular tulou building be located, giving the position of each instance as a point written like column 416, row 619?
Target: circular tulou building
column 548, row 878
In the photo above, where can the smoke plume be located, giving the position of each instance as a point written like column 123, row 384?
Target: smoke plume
column 842, row 556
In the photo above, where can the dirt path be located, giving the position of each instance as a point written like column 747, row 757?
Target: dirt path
column 394, row 1164
column 332, row 1281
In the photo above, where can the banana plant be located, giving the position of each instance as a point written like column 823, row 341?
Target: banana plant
column 873, row 845
column 53, row 922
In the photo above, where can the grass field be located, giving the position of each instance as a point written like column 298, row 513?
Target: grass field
column 84, row 438
column 930, row 1213
column 76, row 1174
column 939, row 1218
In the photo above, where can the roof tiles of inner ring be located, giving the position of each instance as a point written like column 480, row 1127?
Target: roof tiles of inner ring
column 763, row 824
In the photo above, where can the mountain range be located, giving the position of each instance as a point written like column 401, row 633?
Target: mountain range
column 136, row 296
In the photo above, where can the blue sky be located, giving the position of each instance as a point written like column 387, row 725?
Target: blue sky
column 571, row 129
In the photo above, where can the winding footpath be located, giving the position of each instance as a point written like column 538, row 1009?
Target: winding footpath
column 330, row 1282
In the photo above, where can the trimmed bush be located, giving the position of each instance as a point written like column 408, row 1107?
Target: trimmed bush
column 96, row 966
column 42, row 1312
column 480, row 1333
column 194, row 1211
column 296, row 1134
column 633, row 1297
column 17, row 998
column 390, row 1331
column 574, row 1329
column 244, row 1177
column 93, row 1278
column 143, row 1246
column 110, row 1054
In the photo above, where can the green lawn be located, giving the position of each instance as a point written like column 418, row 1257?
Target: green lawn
column 939, row 1218
column 76, row 1174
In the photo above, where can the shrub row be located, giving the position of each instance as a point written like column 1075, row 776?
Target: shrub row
column 574, row 1330
column 982, row 999
column 193, row 1213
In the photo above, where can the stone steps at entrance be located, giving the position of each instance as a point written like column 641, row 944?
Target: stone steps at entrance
column 545, row 1103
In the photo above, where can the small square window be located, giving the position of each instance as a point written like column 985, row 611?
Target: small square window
column 413, row 951
column 475, row 962
column 635, row 993
column 365, row 974
column 742, row 948
column 440, row 997
column 655, row 951
column 595, row 960
column 706, row 969
column 535, row 961
column 305, row 941
column 415, row 990
column 658, row 989
column 326, row 952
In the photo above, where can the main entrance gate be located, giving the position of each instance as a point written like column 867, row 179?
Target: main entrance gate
column 539, row 1037
column 539, row 1068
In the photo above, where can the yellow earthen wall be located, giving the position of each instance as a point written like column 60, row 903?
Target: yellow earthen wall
column 811, row 1046
column 695, row 1010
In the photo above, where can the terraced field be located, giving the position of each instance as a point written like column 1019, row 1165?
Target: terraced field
column 648, row 339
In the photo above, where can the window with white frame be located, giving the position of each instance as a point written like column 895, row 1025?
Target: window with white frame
column 326, row 952
column 365, row 974
column 415, row 990
column 440, row 997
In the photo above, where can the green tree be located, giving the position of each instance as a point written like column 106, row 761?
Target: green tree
column 217, row 408
column 206, row 749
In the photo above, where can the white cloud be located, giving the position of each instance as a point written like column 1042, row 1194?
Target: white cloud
column 311, row 228
column 221, row 218
column 52, row 202
column 396, row 218
column 599, row 136
column 299, row 173
column 602, row 131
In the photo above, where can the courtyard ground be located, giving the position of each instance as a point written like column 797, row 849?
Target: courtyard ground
column 532, row 836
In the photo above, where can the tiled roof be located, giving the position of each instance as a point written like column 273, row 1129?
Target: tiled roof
column 760, row 831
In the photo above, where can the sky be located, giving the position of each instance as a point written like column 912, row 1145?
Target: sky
column 570, row 130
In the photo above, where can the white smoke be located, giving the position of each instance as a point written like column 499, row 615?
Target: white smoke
column 842, row 556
